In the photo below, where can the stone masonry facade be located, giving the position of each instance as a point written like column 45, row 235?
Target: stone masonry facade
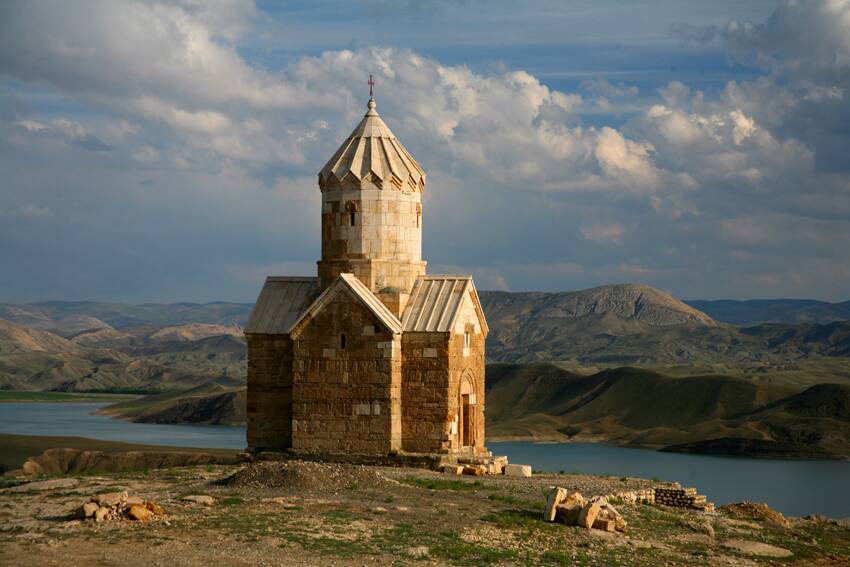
column 373, row 356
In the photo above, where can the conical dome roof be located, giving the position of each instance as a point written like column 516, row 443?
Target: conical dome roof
column 373, row 152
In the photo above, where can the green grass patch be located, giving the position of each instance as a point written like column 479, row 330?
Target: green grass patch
column 15, row 396
column 514, row 501
column 440, row 484
column 232, row 501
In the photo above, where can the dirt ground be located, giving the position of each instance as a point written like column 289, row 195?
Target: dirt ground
column 302, row 513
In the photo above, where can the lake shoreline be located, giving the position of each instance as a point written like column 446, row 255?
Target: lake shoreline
column 706, row 448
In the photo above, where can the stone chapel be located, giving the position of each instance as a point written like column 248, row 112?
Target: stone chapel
column 373, row 356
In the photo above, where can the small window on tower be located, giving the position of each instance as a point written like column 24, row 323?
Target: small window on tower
column 466, row 339
column 342, row 342
column 418, row 217
column 351, row 219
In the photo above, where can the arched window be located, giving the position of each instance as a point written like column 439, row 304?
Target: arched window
column 466, row 339
column 351, row 218
column 342, row 341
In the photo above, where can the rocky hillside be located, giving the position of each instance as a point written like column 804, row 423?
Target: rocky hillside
column 105, row 359
column 16, row 339
column 87, row 345
column 629, row 302
column 196, row 331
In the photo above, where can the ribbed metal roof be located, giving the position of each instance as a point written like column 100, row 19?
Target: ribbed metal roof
column 281, row 301
column 373, row 149
column 435, row 303
column 368, row 298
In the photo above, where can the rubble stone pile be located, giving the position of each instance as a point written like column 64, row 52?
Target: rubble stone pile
column 646, row 496
column 573, row 509
column 679, row 497
column 116, row 505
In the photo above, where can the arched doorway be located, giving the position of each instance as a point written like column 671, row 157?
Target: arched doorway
column 467, row 401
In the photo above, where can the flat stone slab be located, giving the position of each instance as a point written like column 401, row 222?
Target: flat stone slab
column 757, row 548
column 518, row 470
column 200, row 499
column 44, row 485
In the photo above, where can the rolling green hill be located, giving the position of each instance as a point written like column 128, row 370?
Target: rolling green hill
column 640, row 407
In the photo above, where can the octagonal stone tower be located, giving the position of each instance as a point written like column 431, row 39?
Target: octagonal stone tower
column 372, row 213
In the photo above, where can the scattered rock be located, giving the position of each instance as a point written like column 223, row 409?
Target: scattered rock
column 114, row 505
column 757, row 548
column 588, row 514
column 87, row 510
column 518, row 470
column 701, row 527
column 453, row 469
column 134, row 501
column 140, row 513
column 475, row 470
column 574, row 510
column 111, row 499
column 610, row 514
column 754, row 511
column 418, row 552
column 200, row 499
column 556, row 495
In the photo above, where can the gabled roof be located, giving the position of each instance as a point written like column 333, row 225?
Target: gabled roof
column 350, row 282
column 281, row 301
column 436, row 302
column 373, row 150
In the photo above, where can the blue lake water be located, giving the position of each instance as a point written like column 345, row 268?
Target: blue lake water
column 795, row 488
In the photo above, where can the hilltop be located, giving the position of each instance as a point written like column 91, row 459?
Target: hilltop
column 308, row 513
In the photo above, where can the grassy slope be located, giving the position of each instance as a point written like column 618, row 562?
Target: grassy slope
column 54, row 397
column 642, row 407
column 210, row 403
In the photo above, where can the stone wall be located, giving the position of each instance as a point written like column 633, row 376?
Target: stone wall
column 466, row 364
column 682, row 498
column 269, row 395
column 347, row 399
column 425, row 392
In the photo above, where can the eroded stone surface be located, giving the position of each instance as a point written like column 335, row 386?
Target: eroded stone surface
column 757, row 548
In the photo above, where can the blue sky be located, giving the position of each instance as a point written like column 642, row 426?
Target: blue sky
column 168, row 151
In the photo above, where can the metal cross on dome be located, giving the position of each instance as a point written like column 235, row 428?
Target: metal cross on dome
column 371, row 84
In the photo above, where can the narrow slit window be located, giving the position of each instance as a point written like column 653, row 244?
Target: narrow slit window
column 466, row 339
column 342, row 342
column 418, row 217
column 351, row 219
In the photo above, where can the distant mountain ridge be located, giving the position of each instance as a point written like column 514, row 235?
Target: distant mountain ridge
column 754, row 311
column 635, row 302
